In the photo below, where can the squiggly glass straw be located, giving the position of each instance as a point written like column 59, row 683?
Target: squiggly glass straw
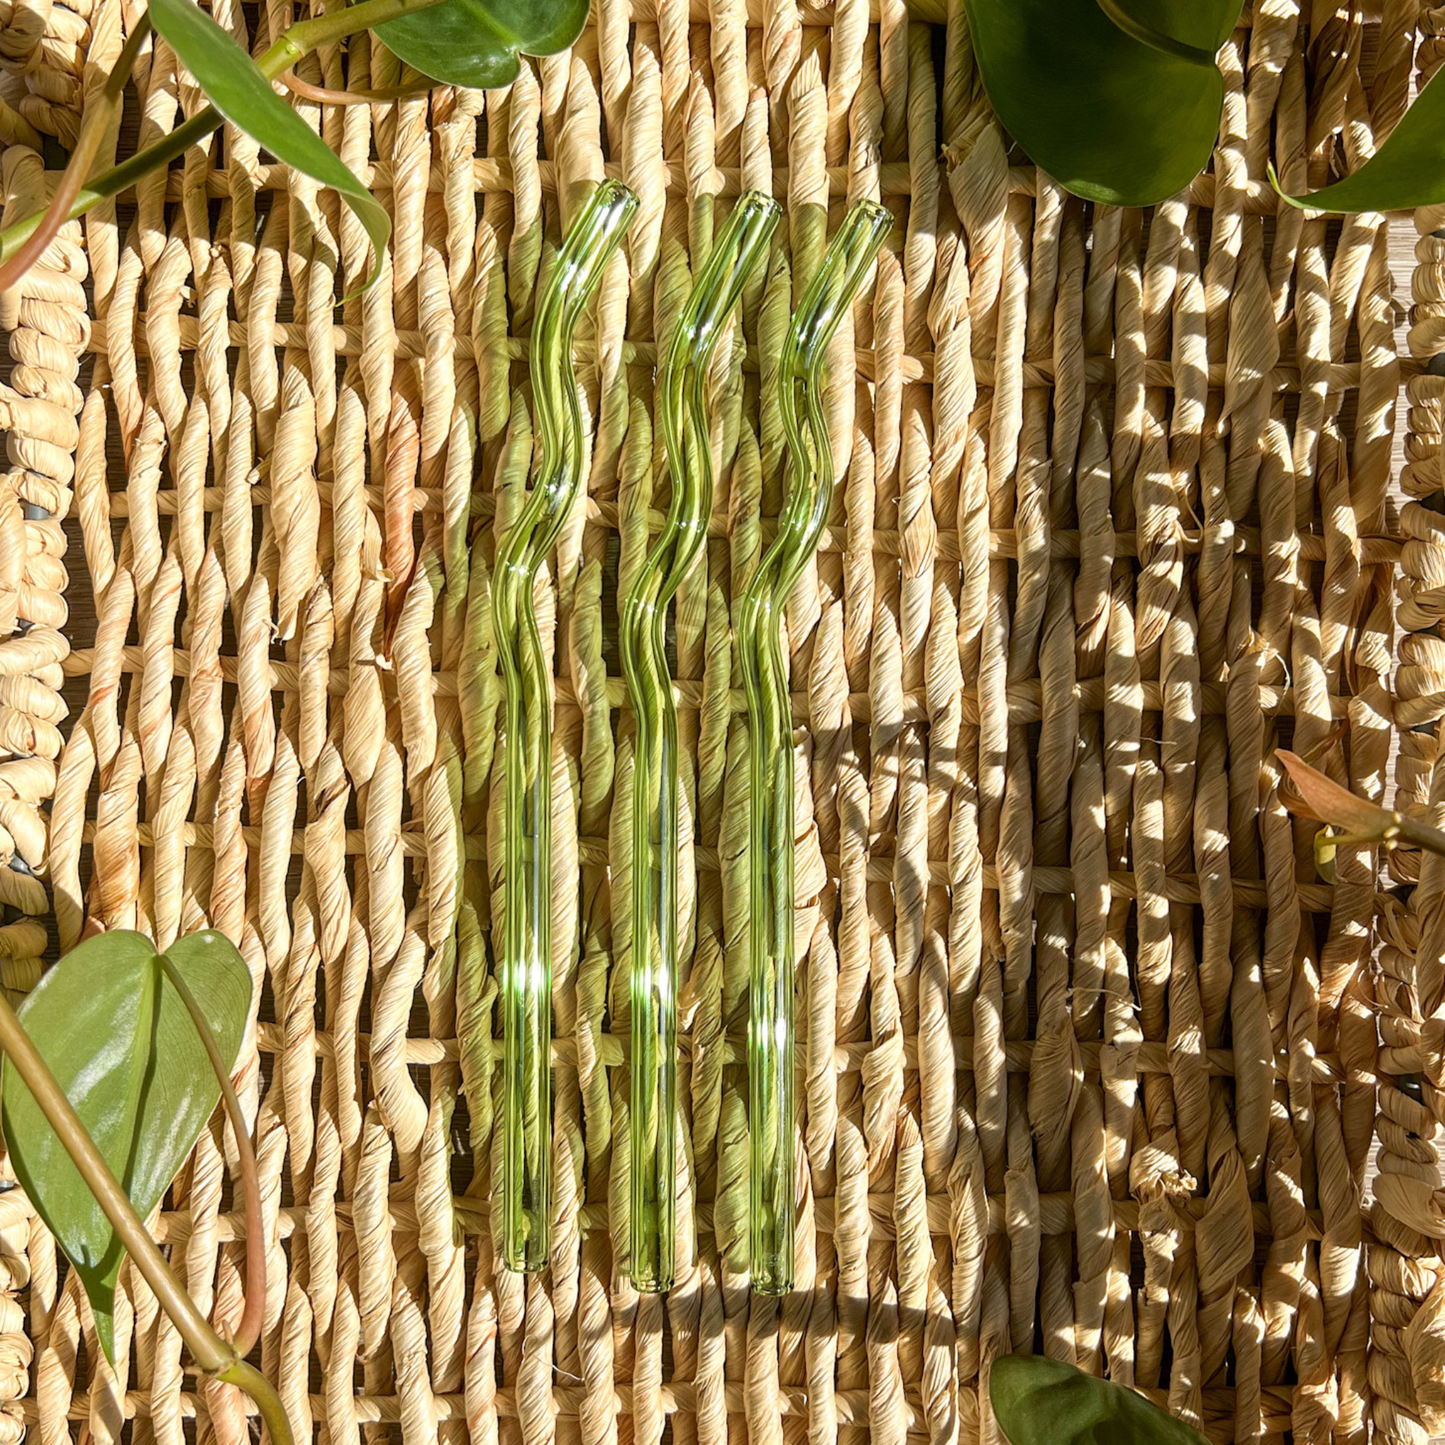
column 770, row 743
column 527, row 936
column 741, row 246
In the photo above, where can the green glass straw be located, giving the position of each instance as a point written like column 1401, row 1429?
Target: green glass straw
column 741, row 246
column 527, row 935
column 770, row 739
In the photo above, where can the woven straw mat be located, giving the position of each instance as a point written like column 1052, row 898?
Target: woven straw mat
column 1091, row 1061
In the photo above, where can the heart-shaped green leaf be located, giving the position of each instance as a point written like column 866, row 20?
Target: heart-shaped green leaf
column 476, row 42
column 1407, row 171
column 120, row 1042
column 234, row 84
column 1110, row 117
column 1045, row 1402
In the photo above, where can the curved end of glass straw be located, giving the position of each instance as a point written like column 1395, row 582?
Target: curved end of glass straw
column 772, row 1148
column 757, row 203
column 845, row 267
column 754, row 219
column 526, row 1204
column 739, row 247
column 653, row 1140
column 592, row 238
column 735, row 254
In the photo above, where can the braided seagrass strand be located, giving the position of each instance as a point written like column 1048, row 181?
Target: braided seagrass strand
column 1114, row 517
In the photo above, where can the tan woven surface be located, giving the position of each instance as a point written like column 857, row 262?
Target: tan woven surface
column 1090, row 1052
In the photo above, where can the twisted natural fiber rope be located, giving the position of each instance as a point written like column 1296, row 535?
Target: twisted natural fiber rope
column 1090, row 1059
column 42, row 49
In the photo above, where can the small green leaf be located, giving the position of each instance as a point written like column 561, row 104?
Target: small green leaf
column 1407, row 171
column 120, row 1043
column 234, row 84
column 1110, row 117
column 476, row 42
column 1045, row 1402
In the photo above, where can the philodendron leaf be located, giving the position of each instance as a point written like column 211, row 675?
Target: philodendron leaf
column 1109, row 116
column 233, row 83
column 476, row 42
column 1038, row 1401
column 1182, row 27
column 1407, row 171
column 120, row 1042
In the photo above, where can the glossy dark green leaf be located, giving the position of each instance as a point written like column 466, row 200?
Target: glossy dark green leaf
column 1109, row 117
column 1407, row 171
column 1184, row 27
column 234, row 84
column 1044, row 1402
column 477, row 42
column 120, row 1042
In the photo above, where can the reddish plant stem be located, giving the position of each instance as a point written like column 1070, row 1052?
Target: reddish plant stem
column 253, row 1315
column 321, row 96
column 93, row 130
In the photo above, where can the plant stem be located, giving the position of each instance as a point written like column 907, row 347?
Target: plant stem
column 254, row 1313
column 306, row 35
column 320, row 96
column 97, row 122
column 263, row 1392
column 1363, row 822
column 298, row 42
